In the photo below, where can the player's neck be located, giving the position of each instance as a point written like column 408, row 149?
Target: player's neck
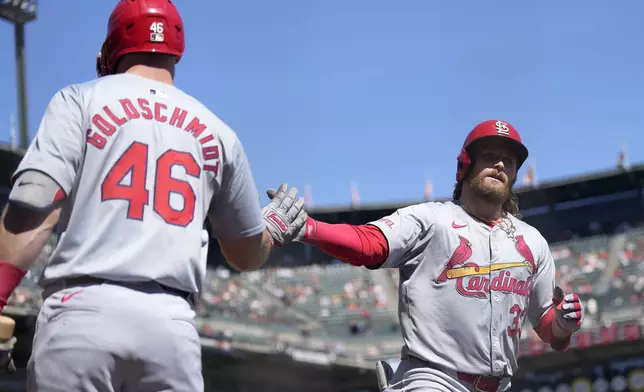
column 480, row 208
column 158, row 74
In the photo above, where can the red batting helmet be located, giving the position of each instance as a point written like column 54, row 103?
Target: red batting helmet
column 490, row 129
column 139, row 26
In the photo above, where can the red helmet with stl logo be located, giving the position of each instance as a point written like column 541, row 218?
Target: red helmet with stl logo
column 503, row 131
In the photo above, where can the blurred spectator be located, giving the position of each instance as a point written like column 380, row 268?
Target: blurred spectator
column 340, row 302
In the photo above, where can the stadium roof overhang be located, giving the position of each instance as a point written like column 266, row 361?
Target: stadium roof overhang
column 546, row 194
column 597, row 184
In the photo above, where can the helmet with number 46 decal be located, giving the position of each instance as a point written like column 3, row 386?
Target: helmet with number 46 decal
column 141, row 26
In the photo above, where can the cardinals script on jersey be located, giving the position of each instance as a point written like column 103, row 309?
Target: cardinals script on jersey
column 472, row 280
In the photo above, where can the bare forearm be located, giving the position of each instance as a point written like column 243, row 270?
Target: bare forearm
column 24, row 233
column 262, row 252
column 247, row 254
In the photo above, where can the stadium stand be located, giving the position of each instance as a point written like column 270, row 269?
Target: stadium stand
column 336, row 295
column 322, row 314
column 234, row 298
column 346, row 310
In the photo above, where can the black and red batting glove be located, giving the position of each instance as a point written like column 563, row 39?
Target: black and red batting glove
column 569, row 314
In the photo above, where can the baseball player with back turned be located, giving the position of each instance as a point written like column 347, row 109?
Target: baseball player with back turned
column 471, row 272
column 126, row 168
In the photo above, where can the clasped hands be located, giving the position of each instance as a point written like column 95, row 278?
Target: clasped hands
column 284, row 215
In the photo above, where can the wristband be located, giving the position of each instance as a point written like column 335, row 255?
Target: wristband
column 10, row 278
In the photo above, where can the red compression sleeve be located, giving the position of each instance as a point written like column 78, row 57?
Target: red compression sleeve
column 357, row 245
column 544, row 330
column 10, row 278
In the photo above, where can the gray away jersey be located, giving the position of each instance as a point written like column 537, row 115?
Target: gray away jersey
column 142, row 164
column 466, row 288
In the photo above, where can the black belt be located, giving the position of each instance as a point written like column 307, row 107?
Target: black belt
column 92, row 281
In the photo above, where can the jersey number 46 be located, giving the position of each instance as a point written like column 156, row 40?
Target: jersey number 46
column 134, row 161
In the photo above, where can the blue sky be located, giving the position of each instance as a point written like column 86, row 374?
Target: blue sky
column 375, row 92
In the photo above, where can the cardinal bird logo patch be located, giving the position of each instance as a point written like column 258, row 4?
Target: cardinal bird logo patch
column 476, row 281
column 525, row 251
column 462, row 253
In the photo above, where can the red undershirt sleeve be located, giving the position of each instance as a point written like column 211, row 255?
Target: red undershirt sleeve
column 389, row 242
column 359, row 245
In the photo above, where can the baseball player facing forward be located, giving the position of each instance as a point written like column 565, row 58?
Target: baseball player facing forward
column 127, row 168
column 471, row 272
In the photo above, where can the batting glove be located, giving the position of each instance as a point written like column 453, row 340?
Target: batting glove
column 6, row 358
column 569, row 314
column 284, row 215
column 301, row 231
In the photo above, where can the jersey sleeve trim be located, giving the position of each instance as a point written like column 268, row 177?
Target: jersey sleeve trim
column 405, row 232
column 66, row 189
column 36, row 190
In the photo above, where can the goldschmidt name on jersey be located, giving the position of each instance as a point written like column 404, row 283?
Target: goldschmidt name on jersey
column 107, row 123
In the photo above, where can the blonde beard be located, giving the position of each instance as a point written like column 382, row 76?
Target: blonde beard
column 492, row 195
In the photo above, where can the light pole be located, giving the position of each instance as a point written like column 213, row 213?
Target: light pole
column 20, row 12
